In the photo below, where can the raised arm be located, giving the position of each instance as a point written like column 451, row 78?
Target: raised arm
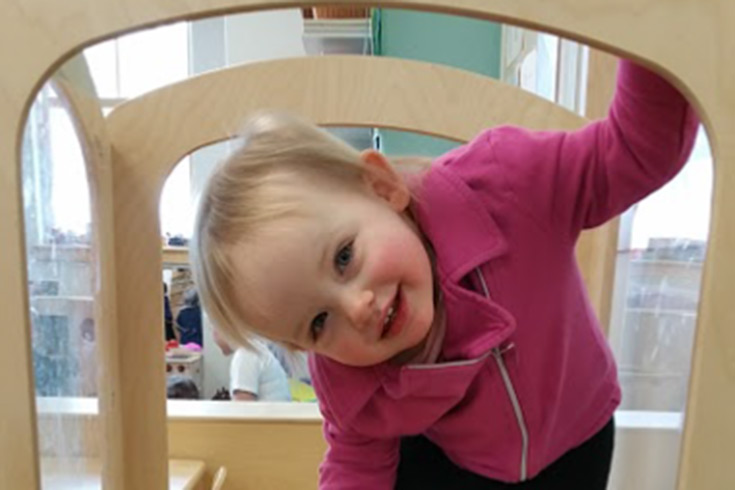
column 568, row 181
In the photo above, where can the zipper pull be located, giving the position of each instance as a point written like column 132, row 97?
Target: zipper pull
column 505, row 348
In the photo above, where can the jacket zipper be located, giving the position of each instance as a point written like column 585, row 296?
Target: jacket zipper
column 444, row 365
column 498, row 355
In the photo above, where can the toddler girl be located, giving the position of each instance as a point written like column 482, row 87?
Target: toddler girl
column 452, row 342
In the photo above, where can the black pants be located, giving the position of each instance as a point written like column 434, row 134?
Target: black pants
column 423, row 465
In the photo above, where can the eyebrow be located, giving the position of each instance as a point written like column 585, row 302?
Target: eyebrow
column 325, row 255
column 333, row 233
column 326, row 249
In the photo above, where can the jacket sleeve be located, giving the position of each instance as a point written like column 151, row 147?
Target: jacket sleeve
column 355, row 462
column 568, row 181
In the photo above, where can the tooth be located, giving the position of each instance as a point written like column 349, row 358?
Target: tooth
column 388, row 316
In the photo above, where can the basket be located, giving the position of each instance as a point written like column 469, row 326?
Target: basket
column 341, row 12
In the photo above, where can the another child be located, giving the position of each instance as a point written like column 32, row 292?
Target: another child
column 168, row 318
column 255, row 373
column 189, row 319
column 181, row 387
column 445, row 305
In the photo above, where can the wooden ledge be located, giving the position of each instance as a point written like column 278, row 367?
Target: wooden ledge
column 86, row 474
column 200, row 410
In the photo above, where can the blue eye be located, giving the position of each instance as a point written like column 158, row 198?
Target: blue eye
column 343, row 257
column 317, row 325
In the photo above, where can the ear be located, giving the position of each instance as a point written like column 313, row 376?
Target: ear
column 384, row 181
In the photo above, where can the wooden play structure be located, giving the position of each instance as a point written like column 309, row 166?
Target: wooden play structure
column 130, row 153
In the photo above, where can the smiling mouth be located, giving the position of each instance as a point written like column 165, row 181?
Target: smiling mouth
column 394, row 316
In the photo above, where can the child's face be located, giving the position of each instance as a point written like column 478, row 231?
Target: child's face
column 351, row 280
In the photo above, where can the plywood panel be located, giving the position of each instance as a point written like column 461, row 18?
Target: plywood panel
column 74, row 81
column 263, row 445
column 257, row 455
column 334, row 90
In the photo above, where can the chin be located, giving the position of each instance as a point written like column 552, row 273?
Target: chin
column 364, row 362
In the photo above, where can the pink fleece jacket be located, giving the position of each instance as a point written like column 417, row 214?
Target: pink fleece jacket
column 525, row 372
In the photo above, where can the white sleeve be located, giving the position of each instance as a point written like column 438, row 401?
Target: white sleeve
column 274, row 382
column 245, row 371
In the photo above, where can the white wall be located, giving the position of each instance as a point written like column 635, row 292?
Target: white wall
column 263, row 36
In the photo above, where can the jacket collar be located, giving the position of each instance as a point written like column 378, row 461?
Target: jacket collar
column 458, row 225
column 465, row 236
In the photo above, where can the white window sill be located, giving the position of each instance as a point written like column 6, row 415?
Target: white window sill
column 308, row 412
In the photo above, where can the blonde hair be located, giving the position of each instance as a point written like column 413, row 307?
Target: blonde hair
column 250, row 189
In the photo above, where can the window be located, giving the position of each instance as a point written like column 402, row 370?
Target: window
column 661, row 252
column 131, row 65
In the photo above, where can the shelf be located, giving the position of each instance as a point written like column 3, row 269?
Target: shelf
column 282, row 412
column 637, row 372
column 673, row 268
column 86, row 473
column 668, row 262
column 175, row 256
column 66, row 253
column 63, row 305
column 660, row 311
column 183, row 410
column 338, row 28
column 337, row 36
column 648, row 420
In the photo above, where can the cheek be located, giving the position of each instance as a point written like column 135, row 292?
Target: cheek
column 350, row 351
column 400, row 253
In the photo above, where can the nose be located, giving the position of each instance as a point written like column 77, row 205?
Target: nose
column 359, row 307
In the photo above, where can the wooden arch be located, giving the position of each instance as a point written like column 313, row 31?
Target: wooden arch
column 156, row 130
